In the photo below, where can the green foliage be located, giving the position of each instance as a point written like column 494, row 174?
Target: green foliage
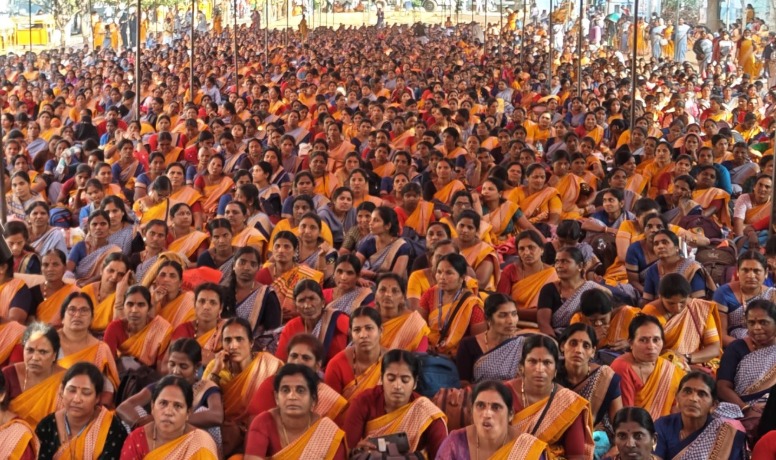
column 688, row 10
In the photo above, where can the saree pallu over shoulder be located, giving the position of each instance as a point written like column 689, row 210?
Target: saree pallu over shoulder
column 445, row 194
column 320, row 441
column 10, row 336
column 715, row 441
column 145, row 346
column 569, row 189
column 477, row 254
column 564, row 409
column 90, row 442
column 657, row 394
column 91, row 265
column 525, row 292
column 369, row 379
column 500, row 220
column 709, row 195
column 536, row 207
column 103, row 310
column 48, row 310
column 330, row 403
column 756, row 372
column 37, row 402
column 186, row 194
column 697, row 324
column 595, row 387
column 285, row 283
column 523, row 447
column 383, row 260
column 404, row 332
column 561, row 318
column 458, row 324
column 420, row 217
column 179, row 310
column 238, row 391
column 159, row 211
column 412, row 418
column 755, row 213
column 98, row 354
column 213, row 193
column 501, row 362
column 17, row 436
column 351, row 300
column 196, row 445
column 188, row 245
column 7, row 292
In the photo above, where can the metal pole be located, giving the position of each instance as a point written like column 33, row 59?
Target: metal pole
column 137, row 61
column 579, row 48
column 633, row 62
column 288, row 13
column 551, row 35
column 266, row 33
column 236, row 70
column 501, row 24
column 91, row 26
column 770, row 227
column 3, row 204
column 29, row 16
column 193, row 47
column 522, row 36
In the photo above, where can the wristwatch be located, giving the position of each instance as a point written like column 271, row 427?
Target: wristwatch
column 688, row 358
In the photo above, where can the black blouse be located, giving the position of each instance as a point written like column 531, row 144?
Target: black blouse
column 49, row 439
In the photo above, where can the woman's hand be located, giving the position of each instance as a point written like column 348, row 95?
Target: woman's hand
column 158, row 294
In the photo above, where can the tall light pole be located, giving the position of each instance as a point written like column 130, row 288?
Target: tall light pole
column 138, row 55
column 522, row 36
column 193, row 47
column 551, row 36
column 266, row 32
column 91, row 26
column 3, row 204
column 579, row 48
column 288, row 13
column 500, row 24
column 29, row 16
column 633, row 61
column 236, row 70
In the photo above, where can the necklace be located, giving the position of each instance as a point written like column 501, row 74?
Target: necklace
column 283, row 425
column 503, row 441
column 355, row 372
column 68, row 430
column 153, row 438
column 24, row 387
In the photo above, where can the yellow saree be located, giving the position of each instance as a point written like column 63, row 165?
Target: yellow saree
column 38, row 401
column 7, row 292
column 479, row 253
column 413, row 419
column 214, row 192
column 90, row 442
column 499, row 220
column 756, row 213
column 524, row 447
column 186, row 194
column 657, row 394
column 404, row 332
column 330, row 403
column 569, row 188
column 188, row 245
column 618, row 325
column 238, row 391
column 195, row 445
column 458, row 324
column 445, row 194
column 150, row 343
column 103, row 310
column 564, row 409
column 98, row 354
column 17, row 436
column 537, row 207
column 695, row 327
column 420, row 217
column 10, row 335
column 158, row 211
column 525, row 292
column 48, row 310
column 369, row 379
column 706, row 197
column 320, row 441
column 179, row 310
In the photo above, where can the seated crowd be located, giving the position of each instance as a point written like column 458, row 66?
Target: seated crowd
column 338, row 259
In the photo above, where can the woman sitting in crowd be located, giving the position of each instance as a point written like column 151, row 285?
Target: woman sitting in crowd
column 566, row 425
column 492, row 432
column 385, row 251
column 284, row 273
column 328, row 325
column 207, row 324
column 49, row 295
column 339, row 215
column 403, row 328
column 220, row 255
column 480, row 256
column 347, row 295
column 182, row 237
column 690, row 325
column 495, row 353
column 182, row 193
column 86, row 257
column 157, row 204
column 246, row 298
column 104, row 294
column 77, row 344
column 19, row 439
column 170, row 435
column 313, row 251
column 44, row 237
column 745, row 376
column 122, row 229
column 634, row 434
column 359, row 232
column 82, row 428
column 293, row 429
column 164, row 279
column 450, row 308
column 646, row 379
column 33, row 386
column 21, row 195
column 640, row 254
column 155, row 242
column 213, row 184
column 184, row 359
column 694, row 430
column 394, row 407
column 665, row 244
